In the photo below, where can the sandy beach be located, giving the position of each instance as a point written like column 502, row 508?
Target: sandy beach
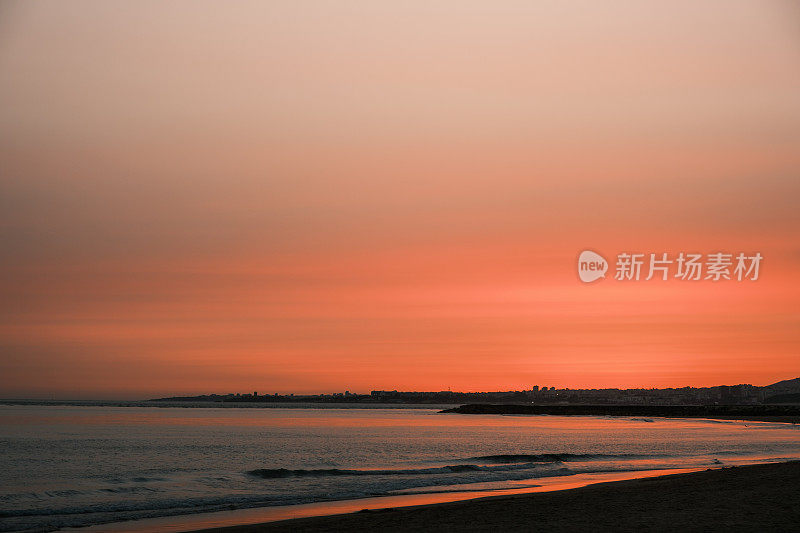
column 747, row 498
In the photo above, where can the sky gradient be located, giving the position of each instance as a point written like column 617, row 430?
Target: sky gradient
column 326, row 196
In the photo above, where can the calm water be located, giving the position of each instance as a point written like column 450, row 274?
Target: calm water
column 71, row 466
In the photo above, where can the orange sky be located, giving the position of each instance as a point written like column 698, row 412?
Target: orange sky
column 320, row 196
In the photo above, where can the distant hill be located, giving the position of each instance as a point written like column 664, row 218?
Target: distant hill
column 787, row 386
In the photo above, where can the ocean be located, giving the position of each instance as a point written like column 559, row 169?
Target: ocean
column 79, row 465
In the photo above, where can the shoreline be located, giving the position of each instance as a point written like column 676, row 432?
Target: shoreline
column 392, row 511
column 253, row 516
column 759, row 497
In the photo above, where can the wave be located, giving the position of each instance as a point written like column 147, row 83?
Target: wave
column 558, row 457
column 481, row 463
column 276, row 473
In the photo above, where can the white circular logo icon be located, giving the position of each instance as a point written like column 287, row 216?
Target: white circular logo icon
column 591, row 266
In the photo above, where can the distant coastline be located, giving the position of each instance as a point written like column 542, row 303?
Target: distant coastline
column 778, row 402
column 782, row 392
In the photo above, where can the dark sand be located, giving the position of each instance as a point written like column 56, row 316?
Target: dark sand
column 748, row 498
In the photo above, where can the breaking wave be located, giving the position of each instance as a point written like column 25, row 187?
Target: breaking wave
column 484, row 463
column 274, row 473
column 558, row 457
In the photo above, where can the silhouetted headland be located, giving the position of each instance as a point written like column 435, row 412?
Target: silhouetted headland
column 764, row 413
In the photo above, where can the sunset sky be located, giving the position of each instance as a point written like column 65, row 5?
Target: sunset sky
column 319, row 196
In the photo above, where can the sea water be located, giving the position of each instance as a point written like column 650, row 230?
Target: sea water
column 68, row 466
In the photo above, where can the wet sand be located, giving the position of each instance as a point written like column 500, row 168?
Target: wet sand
column 746, row 498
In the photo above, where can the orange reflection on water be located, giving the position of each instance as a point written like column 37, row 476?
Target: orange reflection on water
column 316, row 417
